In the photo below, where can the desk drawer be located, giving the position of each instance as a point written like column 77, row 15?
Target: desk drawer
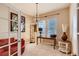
column 48, row 41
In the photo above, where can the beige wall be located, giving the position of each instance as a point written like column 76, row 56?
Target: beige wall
column 4, row 25
column 26, row 34
column 62, row 18
column 66, row 17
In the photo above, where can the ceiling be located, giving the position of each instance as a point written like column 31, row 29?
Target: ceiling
column 30, row 8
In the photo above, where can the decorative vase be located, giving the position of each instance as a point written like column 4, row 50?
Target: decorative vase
column 64, row 36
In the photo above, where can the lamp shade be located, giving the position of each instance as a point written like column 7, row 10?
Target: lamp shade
column 40, row 29
column 35, row 28
column 64, row 27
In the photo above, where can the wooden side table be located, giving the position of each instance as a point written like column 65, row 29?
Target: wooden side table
column 64, row 46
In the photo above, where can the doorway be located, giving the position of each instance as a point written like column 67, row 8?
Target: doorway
column 32, row 34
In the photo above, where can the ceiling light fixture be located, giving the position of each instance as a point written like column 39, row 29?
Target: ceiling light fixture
column 36, row 12
column 36, row 18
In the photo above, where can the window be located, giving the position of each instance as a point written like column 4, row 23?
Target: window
column 51, row 27
column 42, row 24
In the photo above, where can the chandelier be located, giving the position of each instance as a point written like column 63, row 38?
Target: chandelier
column 36, row 12
column 36, row 18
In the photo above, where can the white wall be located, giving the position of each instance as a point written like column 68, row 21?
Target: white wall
column 73, row 27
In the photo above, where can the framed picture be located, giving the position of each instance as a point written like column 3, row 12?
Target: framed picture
column 22, row 24
column 13, row 22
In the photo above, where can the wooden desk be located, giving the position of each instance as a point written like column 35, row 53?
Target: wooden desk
column 50, row 38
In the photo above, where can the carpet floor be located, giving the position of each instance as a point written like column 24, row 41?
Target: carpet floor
column 42, row 50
